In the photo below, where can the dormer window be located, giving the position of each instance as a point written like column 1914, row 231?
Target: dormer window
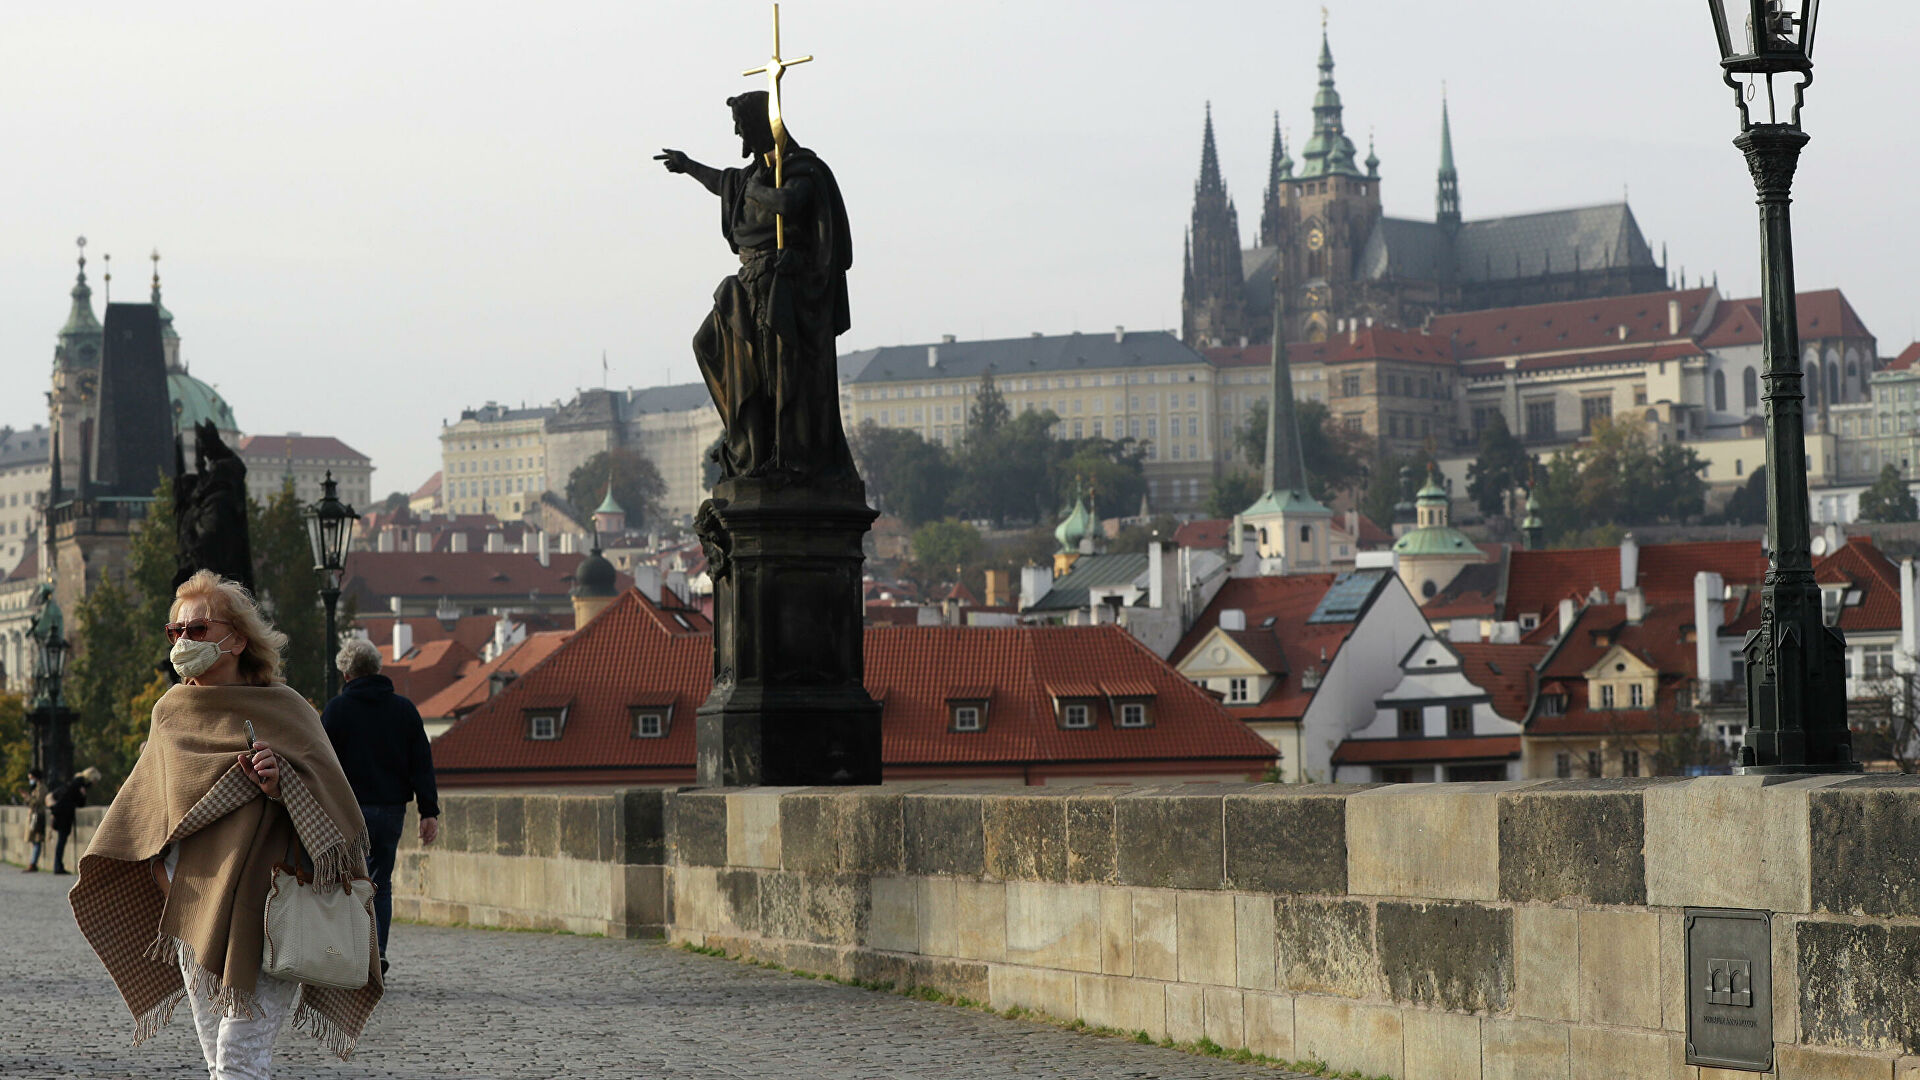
column 1553, row 705
column 1606, row 696
column 1636, row 696
column 545, row 725
column 650, row 722
column 1133, row 714
column 966, row 718
column 1076, row 715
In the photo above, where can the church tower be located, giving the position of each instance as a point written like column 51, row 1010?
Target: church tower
column 1213, row 296
column 1447, row 208
column 1275, row 230
column 74, row 403
column 1293, row 527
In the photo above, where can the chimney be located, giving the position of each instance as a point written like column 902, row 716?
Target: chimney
column 646, row 578
column 1566, row 616
column 402, row 638
column 1353, row 527
column 1156, row 562
column 1636, row 606
column 1673, row 318
column 567, row 545
column 946, row 339
column 1233, row 619
column 933, row 356
column 1629, row 563
column 393, row 605
column 996, row 588
column 1834, row 539
column 422, row 542
column 677, row 585
column 1463, row 630
column 385, row 541
column 1035, row 582
column 1119, row 335
column 1908, row 644
column 540, row 548
column 458, row 542
column 496, row 543
column 1710, row 662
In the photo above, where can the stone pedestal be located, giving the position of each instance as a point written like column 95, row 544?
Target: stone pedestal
column 789, row 705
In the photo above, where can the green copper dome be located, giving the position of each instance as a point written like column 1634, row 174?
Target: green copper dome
column 1433, row 494
column 1444, row 540
column 194, row 401
column 608, row 505
column 1077, row 527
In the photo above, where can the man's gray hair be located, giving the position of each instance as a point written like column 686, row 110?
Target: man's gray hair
column 358, row 658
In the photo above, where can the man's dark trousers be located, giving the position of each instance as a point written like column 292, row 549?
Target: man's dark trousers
column 384, row 824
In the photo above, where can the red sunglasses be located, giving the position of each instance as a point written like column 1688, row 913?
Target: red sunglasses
column 194, row 631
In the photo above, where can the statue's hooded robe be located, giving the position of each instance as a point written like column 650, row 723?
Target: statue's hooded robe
column 767, row 351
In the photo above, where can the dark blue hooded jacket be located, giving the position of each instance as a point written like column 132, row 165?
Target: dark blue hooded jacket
column 382, row 745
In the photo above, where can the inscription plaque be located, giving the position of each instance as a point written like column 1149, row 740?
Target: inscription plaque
column 1729, row 975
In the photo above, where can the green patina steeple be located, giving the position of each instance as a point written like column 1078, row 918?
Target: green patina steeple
column 1434, row 536
column 1531, row 527
column 80, row 319
column 1448, row 197
column 1078, row 525
column 608, row 505
column 1329, row 152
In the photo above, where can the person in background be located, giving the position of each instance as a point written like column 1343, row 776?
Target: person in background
column 34, row 795
column 382, row 745
column 66, row 800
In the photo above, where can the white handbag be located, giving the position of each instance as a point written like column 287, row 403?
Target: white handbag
column 320, row 935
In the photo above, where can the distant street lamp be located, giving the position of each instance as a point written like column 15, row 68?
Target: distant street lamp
column 51, row 720
column 1796, row 668
column 330, row 529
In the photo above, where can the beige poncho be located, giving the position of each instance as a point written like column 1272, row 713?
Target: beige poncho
column 188, row 789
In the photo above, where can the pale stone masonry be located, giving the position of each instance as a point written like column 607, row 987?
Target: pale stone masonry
column 1528, row 929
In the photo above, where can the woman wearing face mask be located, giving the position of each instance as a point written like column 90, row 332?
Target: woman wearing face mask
column 173, row 886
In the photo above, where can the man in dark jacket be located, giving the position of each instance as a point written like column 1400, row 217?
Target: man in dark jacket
column 382, row 746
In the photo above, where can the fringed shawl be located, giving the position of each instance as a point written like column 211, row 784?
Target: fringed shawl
column 188, row 789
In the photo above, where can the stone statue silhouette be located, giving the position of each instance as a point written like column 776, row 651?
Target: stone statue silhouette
column 210, row 510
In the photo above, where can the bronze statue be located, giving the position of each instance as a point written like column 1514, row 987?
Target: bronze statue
column 210, row 509
column 767, row 349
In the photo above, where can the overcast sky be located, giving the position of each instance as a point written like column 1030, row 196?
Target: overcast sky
column 375, row 214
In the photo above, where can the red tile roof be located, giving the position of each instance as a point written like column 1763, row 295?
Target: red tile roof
column 625, row 658
column 475, row 682
column 1421, row 751
column 298, row 447
column 1823, row 314
column 1864, row 567
column 1506, row 672
column 1287, row 600
column 1209, row 533
column 472, row 631
column 29, row 566
column 430, row 488
column 1907, row 358
column 1538, row 580
column 1589, row 325
column 428, row 668
column 1657, row 640
column 373, row 576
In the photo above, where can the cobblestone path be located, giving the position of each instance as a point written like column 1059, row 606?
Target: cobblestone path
column 478, row 1003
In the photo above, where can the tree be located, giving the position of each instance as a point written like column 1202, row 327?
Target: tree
column 1748, row 503
column 1387, row 487
column 905, row 474
column 395, row 502
column 1674, row 490
column 1501, row 466
column 945, row 547
column 16, row 745
column 288, row 588
column 989, row 413
column 1133, row 539
column 1114, row 470
column 1005, row 469
column 1232, row 493
column 1888, row 499
column 1250, row 438
column 637, row 486
column 1332, row 454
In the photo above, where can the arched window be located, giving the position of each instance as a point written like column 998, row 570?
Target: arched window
column 1833, row 382
column 1750, row 388
column 1719, row 391
column 1813, row 383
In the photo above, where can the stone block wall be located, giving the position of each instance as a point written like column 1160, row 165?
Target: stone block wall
column 1528, row 930
column 13, row 836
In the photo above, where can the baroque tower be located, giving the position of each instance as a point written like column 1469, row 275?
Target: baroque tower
column 1213, row 297
column 74, row 404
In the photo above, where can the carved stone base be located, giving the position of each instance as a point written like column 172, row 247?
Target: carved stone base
column 789, row 704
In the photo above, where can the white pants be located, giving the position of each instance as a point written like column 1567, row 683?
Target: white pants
column 241, row 1049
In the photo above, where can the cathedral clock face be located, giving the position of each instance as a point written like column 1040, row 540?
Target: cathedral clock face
column 1316, row 239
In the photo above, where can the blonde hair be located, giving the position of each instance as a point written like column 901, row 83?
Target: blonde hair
column 261, row 662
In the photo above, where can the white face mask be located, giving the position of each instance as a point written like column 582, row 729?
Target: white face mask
column 192, row 658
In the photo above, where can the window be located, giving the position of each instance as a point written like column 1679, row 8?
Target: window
column 1750, row 389
column 1540, row 419
column 1236, row 689
column 1636, row 698
column 1606, row 696
column 1133, row 714
column 1076, row 716
column 1592, row 409
column 1410, row 725
column 1306, row 534
column 1876, row 661
column 1594, row 764
column 1459, row 719
column 544, row 725
column 1720, row 391
column 966, row 718
column 1563, row 765
column 1629, row 763
column 650, row 723
column 1349, row 386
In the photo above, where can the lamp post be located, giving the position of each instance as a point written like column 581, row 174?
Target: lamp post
column 51, row 720
column 330, row 528
column 1796, row 669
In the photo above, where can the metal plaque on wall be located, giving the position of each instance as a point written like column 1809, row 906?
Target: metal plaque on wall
column 1729, row 988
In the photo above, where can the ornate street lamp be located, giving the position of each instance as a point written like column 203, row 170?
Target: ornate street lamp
column 1796, row 668
column 51, row 720
column 330, row 529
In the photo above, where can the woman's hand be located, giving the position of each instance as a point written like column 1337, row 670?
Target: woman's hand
column 263, row 768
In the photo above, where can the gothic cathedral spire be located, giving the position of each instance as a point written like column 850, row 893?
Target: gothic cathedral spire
column 1448, row 210
column 1213, row 304
column 1279, row 171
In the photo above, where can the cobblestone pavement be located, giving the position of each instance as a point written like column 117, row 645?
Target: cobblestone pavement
column 479, row 1003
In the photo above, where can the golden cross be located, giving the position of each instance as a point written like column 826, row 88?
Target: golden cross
column 774, row 68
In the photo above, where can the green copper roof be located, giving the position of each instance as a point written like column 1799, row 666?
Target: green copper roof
column 1286, row 502
column 1329, row 152
column 1443, row 540
column 80, row 319
column 194, row 401
column 1077, row 526
column 1433, row 492
column 608, row 505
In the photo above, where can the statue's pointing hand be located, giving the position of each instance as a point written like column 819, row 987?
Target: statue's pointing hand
column 675, row 160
